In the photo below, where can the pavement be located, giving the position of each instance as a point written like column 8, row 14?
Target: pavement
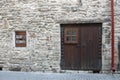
column 56, row 76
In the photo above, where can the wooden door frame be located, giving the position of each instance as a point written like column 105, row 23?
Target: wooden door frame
column 62, row 47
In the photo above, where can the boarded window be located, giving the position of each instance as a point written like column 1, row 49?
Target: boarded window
column 71, row 35
column 20, row 38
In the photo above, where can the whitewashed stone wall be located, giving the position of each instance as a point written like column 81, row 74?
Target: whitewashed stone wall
column 117, row 31
column 41, row 20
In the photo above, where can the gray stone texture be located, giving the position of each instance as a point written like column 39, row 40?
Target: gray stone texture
column 41, row 20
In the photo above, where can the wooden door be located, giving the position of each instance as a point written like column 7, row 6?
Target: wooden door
column 81, row 46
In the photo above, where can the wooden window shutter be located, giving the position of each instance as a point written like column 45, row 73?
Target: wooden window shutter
column 20, row 38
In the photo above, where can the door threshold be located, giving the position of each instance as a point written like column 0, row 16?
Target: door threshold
column 78, row 71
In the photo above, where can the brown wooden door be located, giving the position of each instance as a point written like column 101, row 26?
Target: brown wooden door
column 81, row 46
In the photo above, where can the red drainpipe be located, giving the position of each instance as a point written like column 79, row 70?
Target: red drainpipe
column 112, row 35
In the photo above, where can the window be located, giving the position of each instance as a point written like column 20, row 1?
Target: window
column 71, row 35
column 20, row 38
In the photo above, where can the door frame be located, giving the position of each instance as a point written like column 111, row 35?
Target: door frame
column 62, row 63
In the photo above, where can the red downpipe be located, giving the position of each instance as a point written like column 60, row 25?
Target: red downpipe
column 112, row 35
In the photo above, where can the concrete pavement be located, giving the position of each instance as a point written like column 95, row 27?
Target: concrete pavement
column 56, row 76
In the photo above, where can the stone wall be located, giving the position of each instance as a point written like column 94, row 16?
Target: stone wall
column 41, row 20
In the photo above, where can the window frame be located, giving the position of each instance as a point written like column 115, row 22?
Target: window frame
column 71, row 35
column 23, row 34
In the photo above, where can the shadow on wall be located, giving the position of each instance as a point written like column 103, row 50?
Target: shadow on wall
column 1, row 68
column 118, row 67
column 15, row 68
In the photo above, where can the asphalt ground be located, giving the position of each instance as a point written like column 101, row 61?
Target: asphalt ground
column 56, row 76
